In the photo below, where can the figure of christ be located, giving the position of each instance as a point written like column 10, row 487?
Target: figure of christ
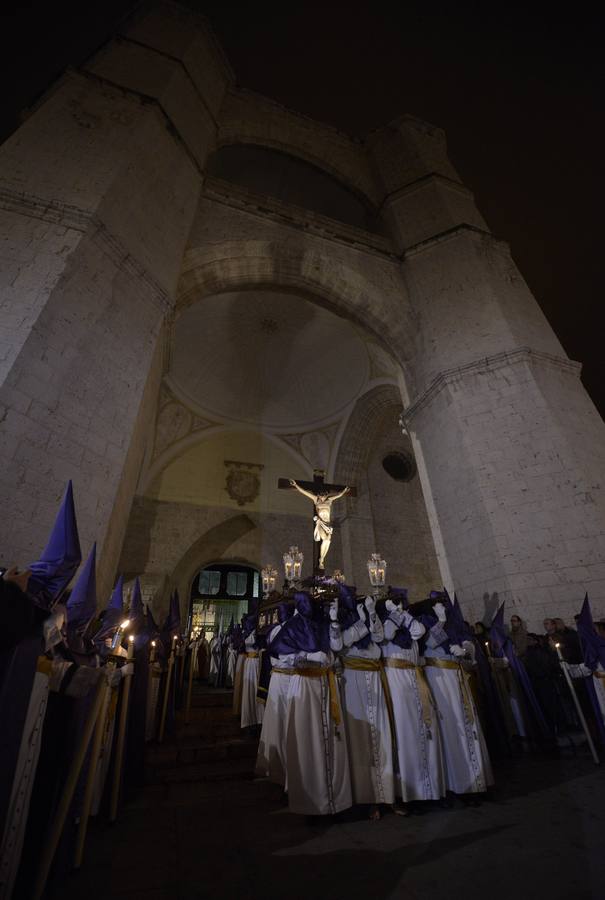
column 323, row 509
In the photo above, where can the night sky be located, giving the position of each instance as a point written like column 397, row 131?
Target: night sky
column 519, row 92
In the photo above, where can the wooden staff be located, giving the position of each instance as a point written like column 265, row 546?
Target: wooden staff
column 56, row 828
column 117, row 773
column 182, row 672
column 92, row 773
column 151, row 704
column 193, row 650
column 166, row 691
column 577, row 705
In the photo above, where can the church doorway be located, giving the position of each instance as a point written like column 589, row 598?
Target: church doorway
column 220, row 592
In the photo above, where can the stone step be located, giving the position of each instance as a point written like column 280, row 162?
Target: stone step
column 208, row 699
column 207, row 714
column 177, row 755
column 216, row 731
column 221, row 770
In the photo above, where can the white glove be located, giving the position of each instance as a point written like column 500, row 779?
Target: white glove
column 470, row 649
column 457, row 650
column 407, row 619
column 439, row 610
column 52, row 628
column 361, row 612
column 370, row 605
column 499, row 662
column 391, row 607
column 128, row 669
column 334, row 610
column 579, row 670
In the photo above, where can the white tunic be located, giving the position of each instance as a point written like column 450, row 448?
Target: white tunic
column 252, row 710
column 317, row 761
column 599, row 686
column 214, row 651
column 598, row 679
column 231, row 664
column 23, row 782
column 420, row 762
column 237, row 684
column 467, row 764
column 271, row 758
column 366, row 716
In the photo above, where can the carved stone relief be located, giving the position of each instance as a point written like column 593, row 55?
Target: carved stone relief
column 243, row 481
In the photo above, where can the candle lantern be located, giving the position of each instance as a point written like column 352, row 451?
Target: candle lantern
column 377, row 570
column 293, row 561
column 269, row 577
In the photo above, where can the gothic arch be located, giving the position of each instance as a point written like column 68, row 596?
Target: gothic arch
column 292, row 267
column 367, row 416
column 249, row 118
column 211, row 545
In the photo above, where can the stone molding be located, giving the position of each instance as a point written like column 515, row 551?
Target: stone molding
column 451, row 234
column 178, row 11
column 127, row 39
column 150, row 101
column 219, row 191
column 483, row 365
column 423, row 181
column 75, row 218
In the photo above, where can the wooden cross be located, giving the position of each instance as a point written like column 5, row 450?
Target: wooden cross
column 317, row 486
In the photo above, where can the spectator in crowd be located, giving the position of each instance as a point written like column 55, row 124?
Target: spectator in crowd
column 569, row 641
column 481, row 631
column 518, row 634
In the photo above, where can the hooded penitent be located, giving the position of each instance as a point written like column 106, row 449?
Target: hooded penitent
column 348, row 615
column 593, row 651
column 82, row 603
column 113, row 615
column 503, row 646
column 300, row 633
column 60, row 559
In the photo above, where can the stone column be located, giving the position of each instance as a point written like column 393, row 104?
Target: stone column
column 98, row 189
column 511, row 445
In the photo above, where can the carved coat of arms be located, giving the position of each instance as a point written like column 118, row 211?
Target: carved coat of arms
column 243, row 481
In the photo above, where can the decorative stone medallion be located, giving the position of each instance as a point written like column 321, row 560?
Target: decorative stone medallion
column 243, row 481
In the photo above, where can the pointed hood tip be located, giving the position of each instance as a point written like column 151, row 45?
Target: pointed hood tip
column 82, row 602
column 60, row 559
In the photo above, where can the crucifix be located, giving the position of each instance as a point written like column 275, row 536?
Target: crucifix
column 323, row 496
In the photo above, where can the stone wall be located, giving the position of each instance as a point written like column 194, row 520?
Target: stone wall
column 96, row 196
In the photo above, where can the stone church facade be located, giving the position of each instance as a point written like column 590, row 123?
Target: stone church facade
column 203, row 291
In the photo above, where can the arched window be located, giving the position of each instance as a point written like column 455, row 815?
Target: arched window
column 292, row 180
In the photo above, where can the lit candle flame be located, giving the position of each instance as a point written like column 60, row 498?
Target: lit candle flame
column 125, row 624
column 131, row 638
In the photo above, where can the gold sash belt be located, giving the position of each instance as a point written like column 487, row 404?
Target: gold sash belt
column 424, row 690
column 318, row 672
column 357, row 664
column 463, row 681
column 44, row 665
column 252, row 655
